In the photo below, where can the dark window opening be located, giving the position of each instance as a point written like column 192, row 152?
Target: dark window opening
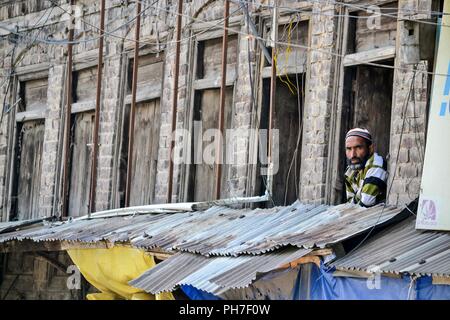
column 287, row 119
column 367, row 103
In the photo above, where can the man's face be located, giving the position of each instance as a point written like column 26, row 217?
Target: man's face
column 357, row 151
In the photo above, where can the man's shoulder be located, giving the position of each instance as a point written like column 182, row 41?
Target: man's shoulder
column 376, row 161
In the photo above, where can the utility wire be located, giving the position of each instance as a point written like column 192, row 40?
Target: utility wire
column 308, row 48
column 145, row 43
column 362, row 8
column 19, row 59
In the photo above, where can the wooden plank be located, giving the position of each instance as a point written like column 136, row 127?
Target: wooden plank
column 86, row 81
column 211, row 83
column 50, row 260
column 151, row 41
column 30, row 169
column 150, row 71
column 17, row 248
column 80, row 166
column 303, row 260
column 149, row 79
column 211, row 57
column 322, row 252
column 234, row 22
column 370, row 36
column 145, row 152
column 32, row 72
column 38, row 114
column 207, row 114
column 369, row 56
column 267, row 71
column 31, row 246
column 352, row 274
column 149, row 93
column 34, row 94
column 363, row 274
column 441, row 280
column 83, row 106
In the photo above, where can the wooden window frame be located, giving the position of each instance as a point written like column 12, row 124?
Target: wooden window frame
column 23, row 75
column 186, row 179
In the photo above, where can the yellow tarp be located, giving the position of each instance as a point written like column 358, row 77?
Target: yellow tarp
column 110, row 270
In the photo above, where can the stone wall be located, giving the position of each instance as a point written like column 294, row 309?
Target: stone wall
column 409, row 109
column 408, row 122
column 159, row 23
column 316, row 119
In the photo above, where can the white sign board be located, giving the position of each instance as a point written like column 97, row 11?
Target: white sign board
column 434, row 202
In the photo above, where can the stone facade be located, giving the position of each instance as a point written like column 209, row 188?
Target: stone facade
column 318, row 103
column 409, row 113
column 408, row 121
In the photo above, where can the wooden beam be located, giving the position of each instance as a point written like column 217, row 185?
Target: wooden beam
column 160, row 256
column 267, row 71
column 31, row 115
column 150, row 93
column 369, row 56
column 321, row 252
column 48, row 246
column 302, row 260
column 363, row 274
column 31, row 246
column 211, row 26
column 84, row 106
column 53, row 262
column 441, row 280
column 203, row 84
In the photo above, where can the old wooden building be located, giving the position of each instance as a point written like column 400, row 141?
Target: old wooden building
column 337, row 65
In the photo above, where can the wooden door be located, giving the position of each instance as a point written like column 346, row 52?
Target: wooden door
column 145, row 152
column 208, row 114
column 30, row 169
column 80, row 170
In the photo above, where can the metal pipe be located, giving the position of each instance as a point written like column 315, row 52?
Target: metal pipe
column 133, row 103
column 97, row 111
column 273, row 83
column 175, row 99
column 218, row 151
column 172, row 207
column 67, row 125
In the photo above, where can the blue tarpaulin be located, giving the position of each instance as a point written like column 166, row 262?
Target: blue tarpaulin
column 320, row 284
column 324, row 286
column 196, row 294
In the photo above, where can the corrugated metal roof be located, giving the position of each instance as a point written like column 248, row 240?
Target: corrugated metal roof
column 221, row 231
column 13, row 225
column 215, row 274
column 402, row 249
